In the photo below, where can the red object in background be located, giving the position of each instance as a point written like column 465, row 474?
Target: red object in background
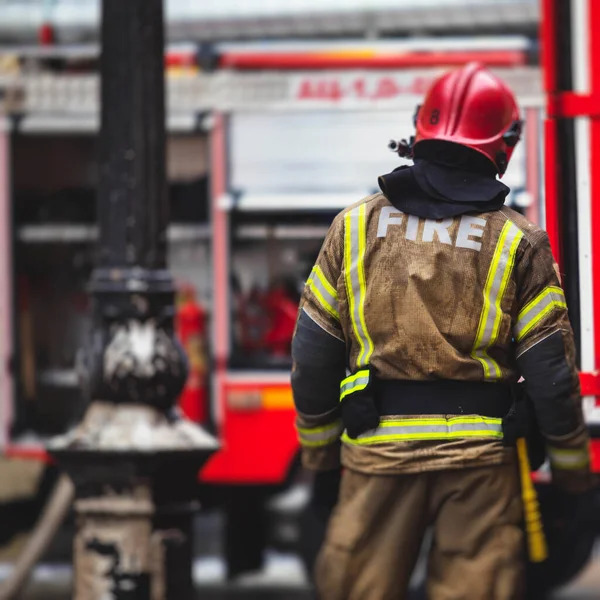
column 260, row 439
column 552, row 184
column 252, row 321
column 310, row 61
column 46, row 35
column 283, row 312
column 190, row 324
column 590, row 384
column 595, row 455
column 181, row 59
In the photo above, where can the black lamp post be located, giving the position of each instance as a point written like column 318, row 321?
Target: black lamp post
column 133, row 461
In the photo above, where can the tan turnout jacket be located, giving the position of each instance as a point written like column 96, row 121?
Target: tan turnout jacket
column 458, row 298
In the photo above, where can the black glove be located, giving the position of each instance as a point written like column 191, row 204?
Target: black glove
column 521, row 422
column 359, row 413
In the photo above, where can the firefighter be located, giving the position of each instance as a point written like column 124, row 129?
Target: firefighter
column 427, row 303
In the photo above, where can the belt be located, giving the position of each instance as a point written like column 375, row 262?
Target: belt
column 442, row 397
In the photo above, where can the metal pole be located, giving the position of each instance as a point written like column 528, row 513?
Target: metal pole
column 133, row 461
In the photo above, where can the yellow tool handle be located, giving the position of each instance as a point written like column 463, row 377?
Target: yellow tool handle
column 536, row 540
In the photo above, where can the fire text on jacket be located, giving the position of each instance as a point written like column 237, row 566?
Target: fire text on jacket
column 426, row 230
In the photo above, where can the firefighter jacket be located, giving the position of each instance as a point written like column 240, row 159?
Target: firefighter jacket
column 471, row 298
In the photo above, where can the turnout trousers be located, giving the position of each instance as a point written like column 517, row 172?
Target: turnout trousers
column 376, row 530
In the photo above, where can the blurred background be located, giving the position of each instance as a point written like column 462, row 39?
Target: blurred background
column 278, row 116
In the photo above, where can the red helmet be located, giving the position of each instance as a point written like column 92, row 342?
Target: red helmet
column 471, row 107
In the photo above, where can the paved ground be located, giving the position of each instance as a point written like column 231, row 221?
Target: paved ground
column 587, row 585
column 282, row 579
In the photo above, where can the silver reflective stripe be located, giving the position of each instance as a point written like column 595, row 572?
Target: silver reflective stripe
column 355, row 239
column 544, row 303
column 354, row 383
column 324, row 292
column 568, row 459
column 320, row 436
column 405, row 430
column 491, row 315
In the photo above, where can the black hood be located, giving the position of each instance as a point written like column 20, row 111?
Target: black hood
column 435, row 191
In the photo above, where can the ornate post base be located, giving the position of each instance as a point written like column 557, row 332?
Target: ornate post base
column 135, row 474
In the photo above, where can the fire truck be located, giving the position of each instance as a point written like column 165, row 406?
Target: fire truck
column 267, row 142
column 571, row 130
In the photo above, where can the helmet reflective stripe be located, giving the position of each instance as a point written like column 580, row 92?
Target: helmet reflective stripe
column 543, row 304
column 406, row 430
column 498, row 276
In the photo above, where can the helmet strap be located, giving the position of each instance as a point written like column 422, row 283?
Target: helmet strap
column 501, row 162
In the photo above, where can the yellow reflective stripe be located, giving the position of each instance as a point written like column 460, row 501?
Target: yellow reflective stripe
column 551, row 290
column 441, row 421
column 324, row 292
column 318, row 444
column 355, row 241
column 568, row 458
column 481, row 330
column 355, row 383
column 347, row 271
column 362, row 245
column 352, row 378
column 404, row 430
column 543, row 304
column 321, row 276
column 324, row 435
column 496, row 283
column 416, row 436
